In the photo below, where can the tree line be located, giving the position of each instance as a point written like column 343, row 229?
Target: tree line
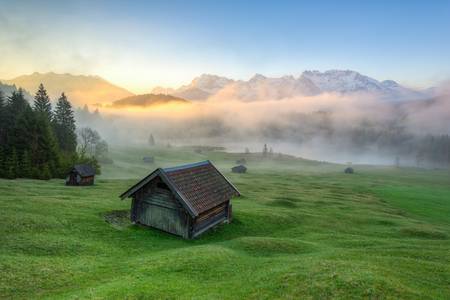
column 37, row 141
column 425, row 150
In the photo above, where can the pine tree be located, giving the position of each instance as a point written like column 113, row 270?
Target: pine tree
column 11, row 165
column 24, row 130
column 2, row 103
column 265, row 150
column 85, row 111
column 15, row 107
column 247, row 151
column 25, row 167
column 2, row 100
column 2, row 118
column 16, row 103
column 42, row 102
column 151, row 140
column 46, row 150
column 64, row 126
column 2, row 162
column 45, row 173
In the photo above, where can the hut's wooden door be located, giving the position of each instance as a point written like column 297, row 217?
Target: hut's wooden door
column 72, row 179
column 161, row 213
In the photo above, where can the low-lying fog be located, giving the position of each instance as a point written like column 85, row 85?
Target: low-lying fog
column 357, row 128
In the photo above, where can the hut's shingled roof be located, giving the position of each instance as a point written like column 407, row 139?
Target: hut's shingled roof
column 85, row 170
column 203, row 186
column 200, row 185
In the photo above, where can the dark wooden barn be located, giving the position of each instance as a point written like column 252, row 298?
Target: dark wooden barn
column 349, row 170
column 239, row 169
column 186, row 200
column 81, row 175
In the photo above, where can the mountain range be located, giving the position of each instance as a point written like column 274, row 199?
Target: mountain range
column 94, row 90
column 309, row 83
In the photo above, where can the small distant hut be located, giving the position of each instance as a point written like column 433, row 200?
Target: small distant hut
column 148, row 159
column 239, row 169
column 241, row 161
column 81, row 175
column 349, row 170
column 186, row 200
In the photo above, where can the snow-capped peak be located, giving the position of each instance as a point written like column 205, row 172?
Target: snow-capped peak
column 342, row 81
column 210, row 83
column 390, row 84
column 257, row 77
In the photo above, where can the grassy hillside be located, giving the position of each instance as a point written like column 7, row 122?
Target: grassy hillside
column 302, row 229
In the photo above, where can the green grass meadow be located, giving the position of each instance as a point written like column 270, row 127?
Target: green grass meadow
column 301, row 230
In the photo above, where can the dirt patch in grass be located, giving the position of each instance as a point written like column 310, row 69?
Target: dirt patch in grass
column 119, row 219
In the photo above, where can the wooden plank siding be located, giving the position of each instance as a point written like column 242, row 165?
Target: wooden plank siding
column 163, row 218
column 157, row 207
column 209, row 219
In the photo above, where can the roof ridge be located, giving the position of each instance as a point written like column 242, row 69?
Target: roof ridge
column 186, row 166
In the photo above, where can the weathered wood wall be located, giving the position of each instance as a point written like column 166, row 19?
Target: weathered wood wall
column 155, row 206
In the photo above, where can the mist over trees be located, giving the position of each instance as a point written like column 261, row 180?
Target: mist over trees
column 151, row 140
column 338, row 128
column 90, row 144
column 36, row 141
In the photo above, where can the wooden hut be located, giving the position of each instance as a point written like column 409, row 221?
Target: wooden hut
column 349, row 170
column 148, row 159
column 81, row 175
column 239, row 169
column 186, row 200
column 241, row 161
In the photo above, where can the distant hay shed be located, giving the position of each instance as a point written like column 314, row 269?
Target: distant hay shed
column 241, row 161
column 239, row 169
column 81, row 175
column 148, row 159
column 349, row 170
column 185, row 200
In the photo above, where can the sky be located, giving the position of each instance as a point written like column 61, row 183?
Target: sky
column 142, row 44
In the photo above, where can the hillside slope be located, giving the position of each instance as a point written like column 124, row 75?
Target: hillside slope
column 80, row 89
column 300, row 229
column 147, row 100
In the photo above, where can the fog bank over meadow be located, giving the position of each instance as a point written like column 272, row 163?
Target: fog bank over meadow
column 358, row 127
